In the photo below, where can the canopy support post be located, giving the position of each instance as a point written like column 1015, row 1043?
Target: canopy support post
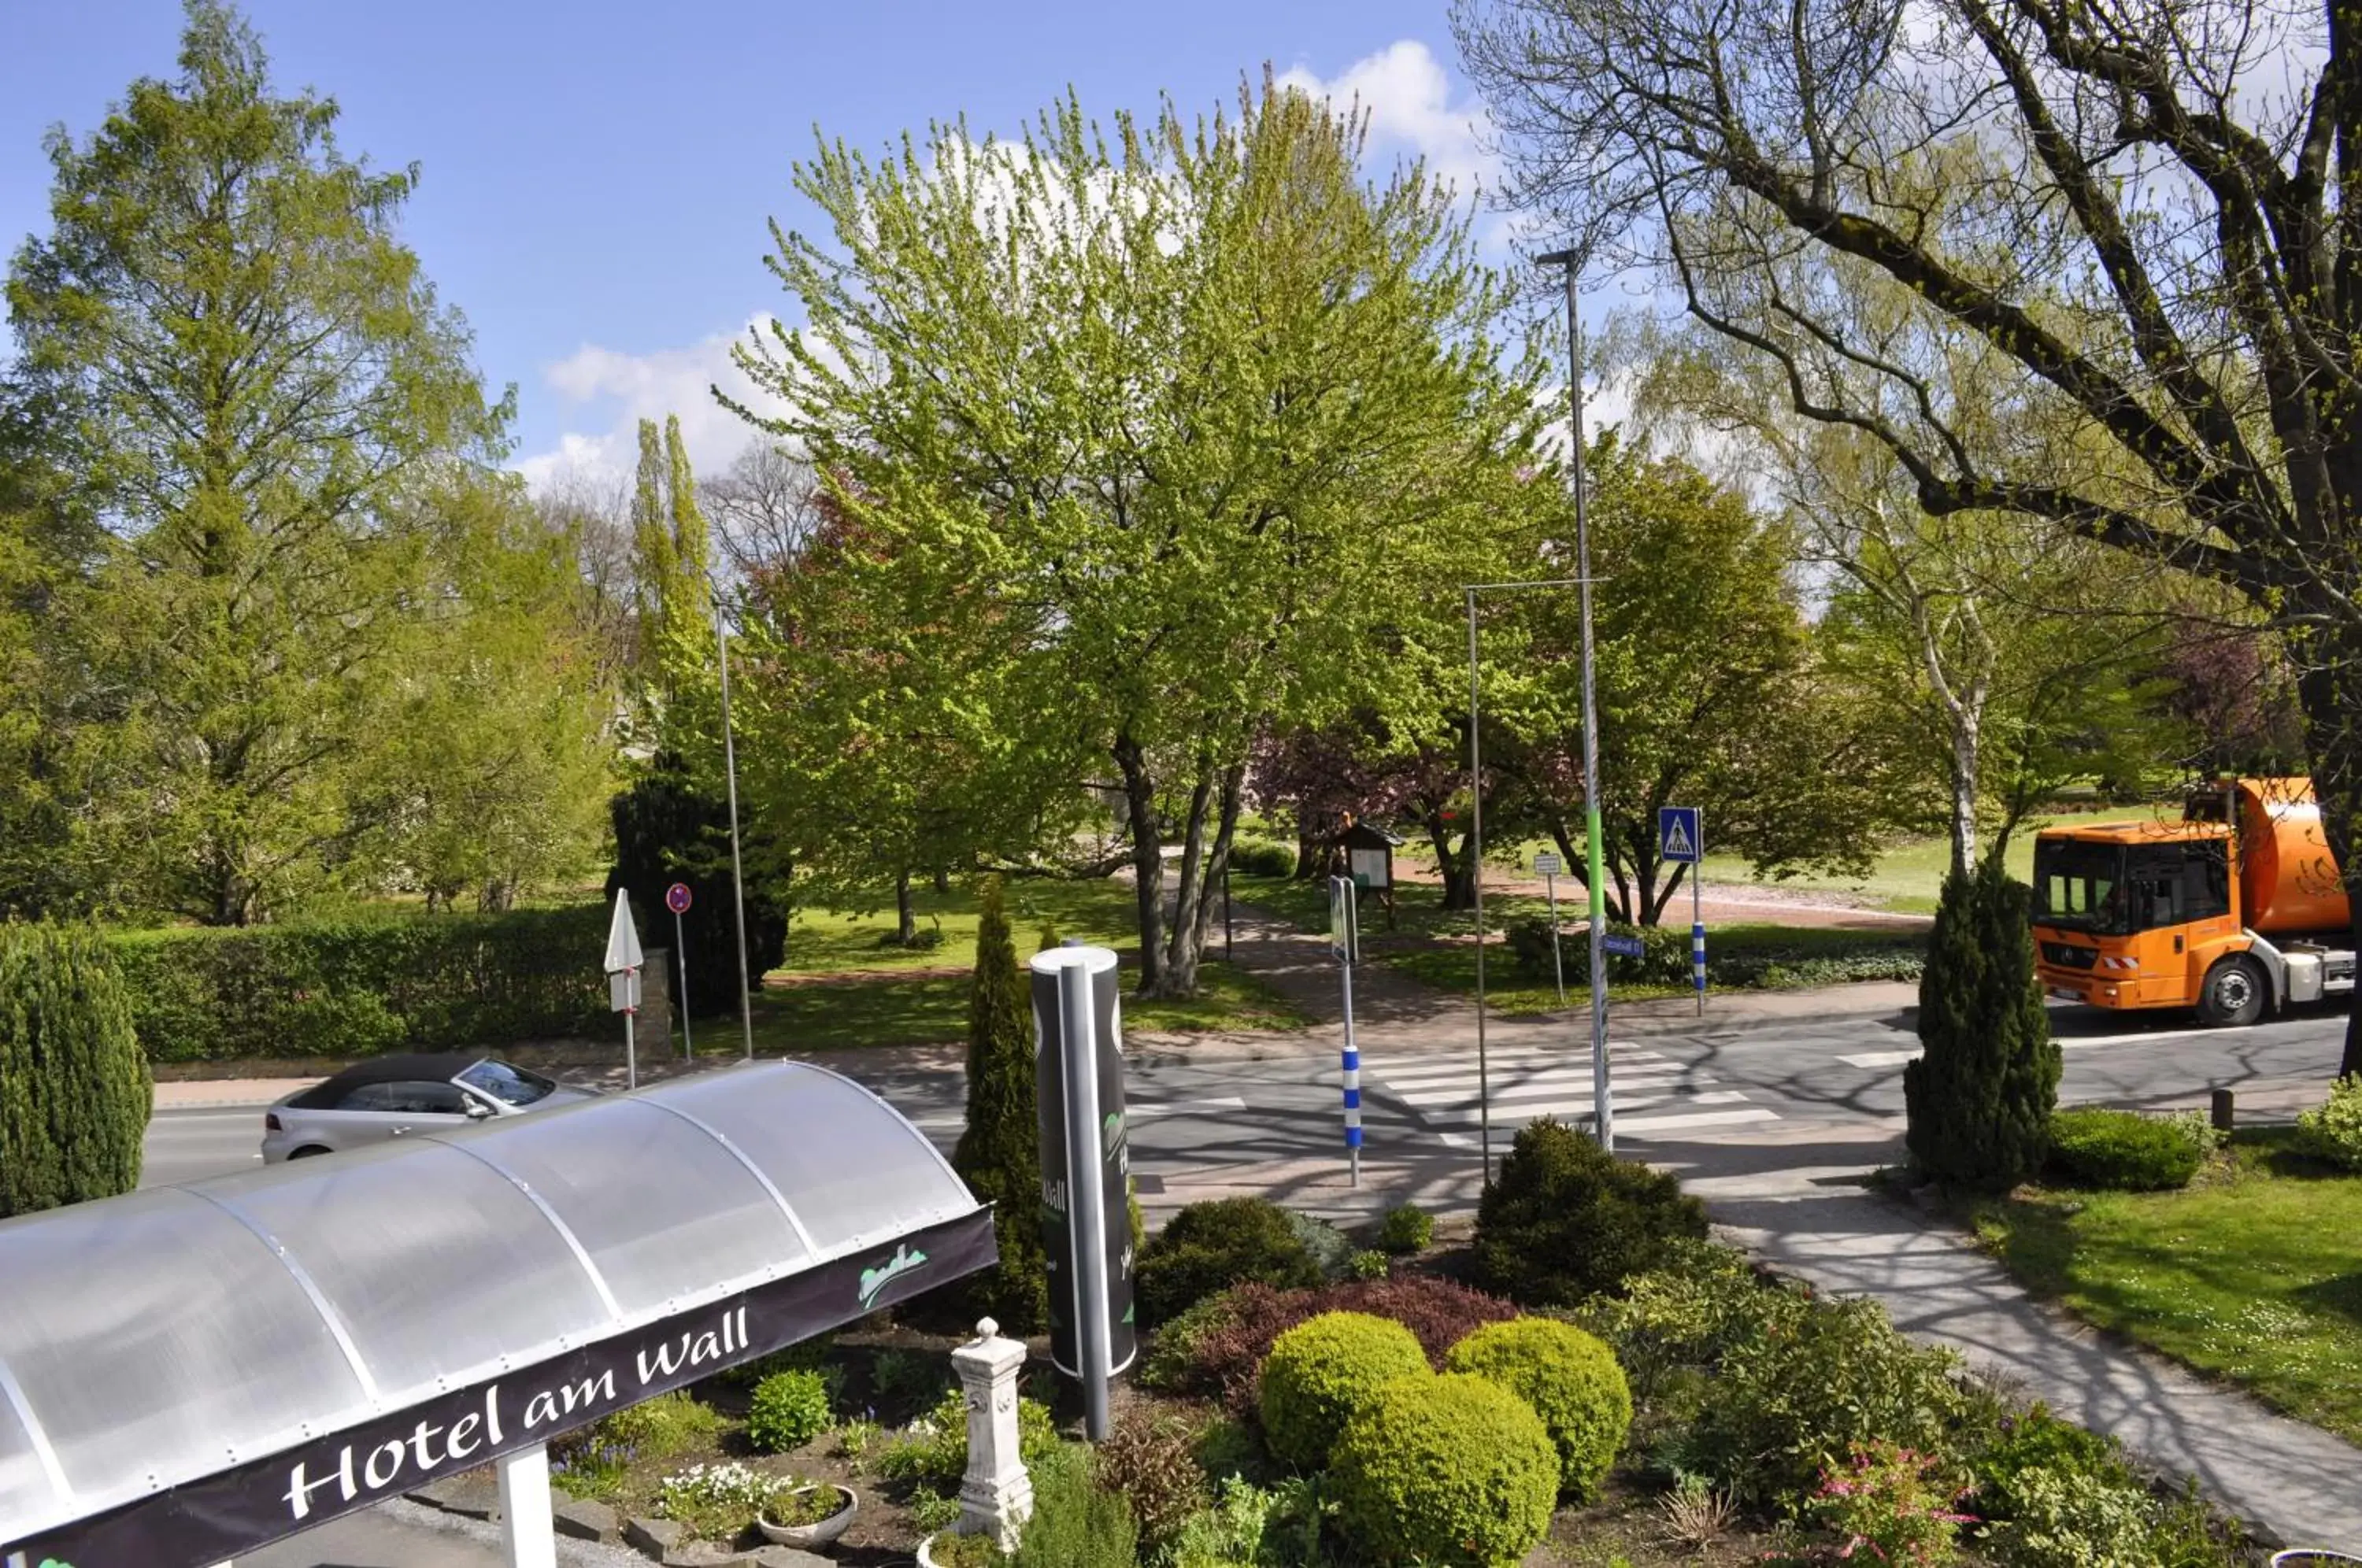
column 526, row 1533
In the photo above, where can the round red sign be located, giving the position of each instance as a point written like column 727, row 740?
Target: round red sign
column 677, row 897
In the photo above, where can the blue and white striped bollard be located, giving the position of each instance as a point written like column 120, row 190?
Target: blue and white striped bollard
column 1698, row 962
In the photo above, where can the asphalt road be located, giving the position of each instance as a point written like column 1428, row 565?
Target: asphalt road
column 1840, row 1075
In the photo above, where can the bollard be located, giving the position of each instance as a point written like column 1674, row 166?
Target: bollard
column 996, row 1495
column 2222, row 1112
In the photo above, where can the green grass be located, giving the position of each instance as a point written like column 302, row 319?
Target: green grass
column 1907, row 877
column 1413, row 948
column 2251, row 1273
column 900, row 996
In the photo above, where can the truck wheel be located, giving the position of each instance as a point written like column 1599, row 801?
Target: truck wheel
column 2234, row 992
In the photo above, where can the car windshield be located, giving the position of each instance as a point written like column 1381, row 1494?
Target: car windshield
column 510, row 1086
column 2080, row 886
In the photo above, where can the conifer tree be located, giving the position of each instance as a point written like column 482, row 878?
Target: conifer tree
column 1000, row 1153
column 74, row 1090
column 1981, row 1095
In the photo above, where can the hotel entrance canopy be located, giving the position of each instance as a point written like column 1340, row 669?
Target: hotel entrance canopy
column 189, row 1372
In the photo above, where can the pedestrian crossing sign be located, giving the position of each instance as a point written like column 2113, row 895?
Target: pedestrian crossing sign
column 1678, row 839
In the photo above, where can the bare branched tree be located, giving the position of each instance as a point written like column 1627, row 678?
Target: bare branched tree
column 2138, row 206
column 764, row 509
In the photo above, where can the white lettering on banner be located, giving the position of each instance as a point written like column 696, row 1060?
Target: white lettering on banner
column 547, row 1406
column 384, row 1466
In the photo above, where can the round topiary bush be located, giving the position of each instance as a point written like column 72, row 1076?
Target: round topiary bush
column 1320, row 1372
column 1571, row 1382
column 2122, row 1152
column 1208, row 1247
column 1445, row 1469
column 789, row 1409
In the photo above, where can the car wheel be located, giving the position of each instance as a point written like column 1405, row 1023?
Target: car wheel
column 306, row 1152
column 2234, row 992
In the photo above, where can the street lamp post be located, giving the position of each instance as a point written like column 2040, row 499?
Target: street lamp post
column 738, row 869
column 1477, row 862
column 1602, row 1108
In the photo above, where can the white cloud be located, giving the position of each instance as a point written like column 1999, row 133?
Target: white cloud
column 618, row 390
column 1408, row 95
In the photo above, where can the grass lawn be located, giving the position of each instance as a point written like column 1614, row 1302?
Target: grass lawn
column 844, row 990
column 2251, row 1273
column 1908, row 875
column 1414, row 948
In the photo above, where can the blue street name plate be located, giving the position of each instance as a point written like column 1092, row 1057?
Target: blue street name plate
column 1623, row 946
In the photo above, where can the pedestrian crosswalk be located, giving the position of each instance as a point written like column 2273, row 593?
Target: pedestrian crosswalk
column 1653, row 1096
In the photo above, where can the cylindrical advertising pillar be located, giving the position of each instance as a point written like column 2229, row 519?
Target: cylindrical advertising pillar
column 1098, row 1037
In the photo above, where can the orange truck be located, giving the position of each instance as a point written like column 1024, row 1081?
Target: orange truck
column 2236, row 910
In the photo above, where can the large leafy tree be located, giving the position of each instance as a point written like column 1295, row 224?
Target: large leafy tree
column 1708, row 692
column 2159, row 244
column 259, row 378
column 1196, row 419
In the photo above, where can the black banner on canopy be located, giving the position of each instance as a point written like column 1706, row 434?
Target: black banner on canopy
column 225, row 1516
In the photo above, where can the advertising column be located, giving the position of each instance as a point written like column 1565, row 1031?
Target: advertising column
column 1085, row 1164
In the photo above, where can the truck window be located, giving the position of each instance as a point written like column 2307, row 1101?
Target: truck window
column 2206, row 883
column 2078, row 886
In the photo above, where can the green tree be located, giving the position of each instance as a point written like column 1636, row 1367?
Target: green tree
column 258, row 373
column 2157, row 252
column 1981, row 1094
column 1708, row 690
column 671, row 827
column 1194, row 418
column 1000, row 1153
column 74, row 1089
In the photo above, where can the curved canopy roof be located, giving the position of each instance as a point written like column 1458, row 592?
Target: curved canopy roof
column 175, row 1332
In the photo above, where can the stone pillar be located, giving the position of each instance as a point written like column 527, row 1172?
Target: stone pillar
column 997, row 1495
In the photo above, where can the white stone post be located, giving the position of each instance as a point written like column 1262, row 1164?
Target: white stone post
column 527, row 1531
column 996, row 1495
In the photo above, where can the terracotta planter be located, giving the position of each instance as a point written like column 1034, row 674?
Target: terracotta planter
column 819, row 1534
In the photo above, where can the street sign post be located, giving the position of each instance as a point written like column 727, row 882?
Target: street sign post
column 1681, row 841
column 1547, row 864
column 623, row 961
column 677, row 899
column 1345, row 946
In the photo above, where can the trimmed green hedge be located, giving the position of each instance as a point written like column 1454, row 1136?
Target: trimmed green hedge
column 357, row 988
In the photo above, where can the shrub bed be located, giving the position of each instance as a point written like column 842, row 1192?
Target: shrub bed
column 357, row 988
column 1566, row 1219
column 1214, row 1351
column 2123, row 1152
column 1570, row 1379
column 1206, row 1248
column 1323, row 1370
column 1449, row 1469
column 2334, row 1132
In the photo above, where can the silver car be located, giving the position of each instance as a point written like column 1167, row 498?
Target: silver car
column 390, row 1097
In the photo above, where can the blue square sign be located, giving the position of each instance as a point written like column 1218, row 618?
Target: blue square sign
column 1678, row 839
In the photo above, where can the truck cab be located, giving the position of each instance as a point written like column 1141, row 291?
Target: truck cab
column 2232, row 910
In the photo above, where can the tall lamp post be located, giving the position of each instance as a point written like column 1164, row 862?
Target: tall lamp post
column 1477, row 862
column 737, row 870
column 1603, row 1109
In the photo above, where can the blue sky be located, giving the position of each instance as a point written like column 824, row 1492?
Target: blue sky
column 597, row 175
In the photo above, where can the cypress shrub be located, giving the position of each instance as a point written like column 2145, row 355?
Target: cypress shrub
column 999, row 1155
column 74, row 1091
column 670, row 828
column 1981, row 1095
